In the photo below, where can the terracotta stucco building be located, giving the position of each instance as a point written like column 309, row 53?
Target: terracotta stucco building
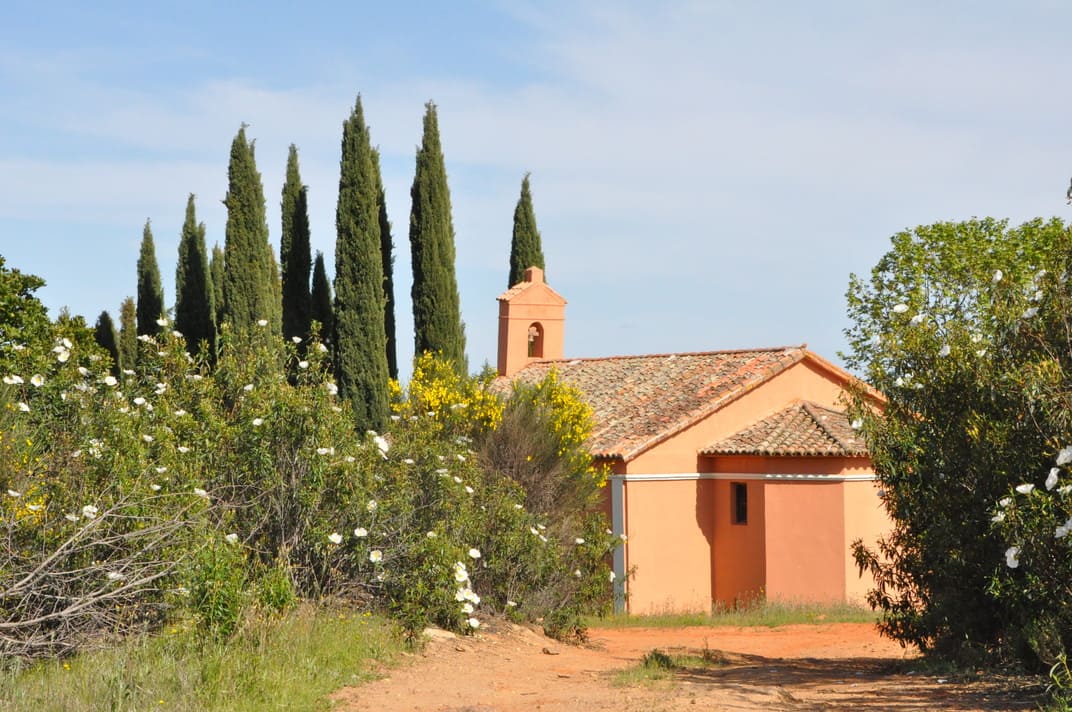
column 735, row 473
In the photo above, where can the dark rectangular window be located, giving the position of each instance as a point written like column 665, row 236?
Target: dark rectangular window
column 739, row 502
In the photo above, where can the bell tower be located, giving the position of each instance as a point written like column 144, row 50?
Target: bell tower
column 532, row 321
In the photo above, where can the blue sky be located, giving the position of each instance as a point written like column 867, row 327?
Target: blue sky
column 706, row 175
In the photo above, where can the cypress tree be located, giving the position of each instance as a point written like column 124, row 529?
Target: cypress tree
column 215, row 268
column 294, row 256
column 525, row 249
column 150, row 293
column 387, row 253
column 250, row 278
column 322, row 310
column 195, row 306
column 437, row 320
column 360, row 351
column 104, row 335
column 128, row 334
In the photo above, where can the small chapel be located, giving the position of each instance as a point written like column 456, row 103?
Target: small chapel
column 736, row 474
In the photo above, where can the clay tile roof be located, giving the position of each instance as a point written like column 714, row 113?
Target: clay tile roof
column 802, row 429
column 640, row 401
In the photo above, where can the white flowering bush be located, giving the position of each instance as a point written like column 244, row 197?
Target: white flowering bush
column 963, row 327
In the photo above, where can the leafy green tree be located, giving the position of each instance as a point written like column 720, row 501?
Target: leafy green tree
column 128, row 334
column 360, row 349
column 215, row 268
column 525, row 249
column 437, row 322
column 294, row 252
column 195, row 305
column 323, row 312
column 104, row 335
column 150, row 291
column 387, row 252
column 963, row 327
column 251, row 291
column 23, row 318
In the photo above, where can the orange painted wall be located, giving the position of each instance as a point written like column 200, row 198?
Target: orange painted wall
column 670, row 527
column 805, row 541
column 739, row 557
column 865, row 518
column 801, row 381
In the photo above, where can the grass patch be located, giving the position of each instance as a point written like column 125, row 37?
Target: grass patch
column 771, row 615
column 658, row 666
column 289, row 663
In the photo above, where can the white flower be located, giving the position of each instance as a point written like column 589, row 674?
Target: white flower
column 1065, row 456
column 900, row 308
column 1012, row 555
column 519, row 506
column 334, row 537
column 857, row 423
column 160, row 470
column 179, row 413
column 361, row 532
column 375, row 556
column 474, row 553
column 63, row 355
column 161, row 322
column 325, row 451
column 612, row 576
column 350, row 458
column 128, row 372
column 71, row 517
column 467, row 608
column 998, row 274
column 543, row 538
column 408, row 461
column 944, row 351
column 469, row 490
column 12, row 380
column 82, row 371
column 382, row 444
column 258, row 422
column 139, row 401
column 577, row 573
column 200, row 493
column 262, row 322
column 37, row 380
column 89, row 511
column 372, row 505
column 999, row 517
column 160, row 388
column 303, row 364
column 461, row 574
column 176, row 333
column 296, row 339
column 110, row 381
column 511, row 604
column 1062, row 531
column 918, row 319
column 623, row 537
column 24, row 407
column 183, row 449
column 231, row 538
column 147, row 438
column 1051, row 479
column 115, row 576
column 534, row 531
column 248, row 387
column 1025, row 488
column 35, row 507
column 431, row 535
column 154, row 487
column 1028, row 313
column 322, row 348
column 457, row 480
column 473, row 623
column 332, row 388
column 14, row 493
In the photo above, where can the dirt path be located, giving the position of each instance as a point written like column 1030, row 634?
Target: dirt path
column 797, row 667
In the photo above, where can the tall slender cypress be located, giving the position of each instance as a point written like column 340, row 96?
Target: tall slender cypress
column 323, row 312
column 150, row 292
column 525, row 249
column 215, row 269
column 128, row 334
column 104, row 335
column 294, row 252
column 195, row 305
column 387, row 252
column 251, row 289
column 437, row 322
column 360, row 349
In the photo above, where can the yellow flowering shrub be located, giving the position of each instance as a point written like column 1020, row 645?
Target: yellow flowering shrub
column 436, row 390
